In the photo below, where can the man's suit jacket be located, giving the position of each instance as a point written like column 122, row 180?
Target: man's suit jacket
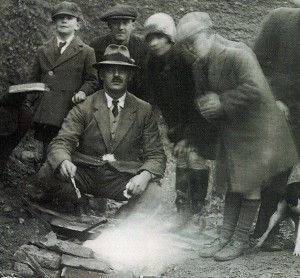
column 255, row 142
column 67, row 75
column 85, row 137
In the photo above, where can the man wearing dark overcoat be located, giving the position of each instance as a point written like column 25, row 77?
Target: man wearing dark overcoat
column 277, row 50
column 254, row 142
column 121, row 20
column 110, row 143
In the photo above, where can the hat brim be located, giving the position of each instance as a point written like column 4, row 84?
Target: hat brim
column 66, row 13
column 114, row 63
column 105, row 19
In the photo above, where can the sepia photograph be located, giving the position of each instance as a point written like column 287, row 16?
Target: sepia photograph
column 150, row 139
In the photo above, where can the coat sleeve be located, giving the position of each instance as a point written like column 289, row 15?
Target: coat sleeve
column 153, row 151
column 250, row 87
column 63, row 145
column 267, row 42
column 90, row 76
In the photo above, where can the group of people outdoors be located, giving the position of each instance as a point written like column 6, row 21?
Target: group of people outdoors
column 221, row 100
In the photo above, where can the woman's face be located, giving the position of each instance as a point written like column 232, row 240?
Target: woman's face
column 159, row 44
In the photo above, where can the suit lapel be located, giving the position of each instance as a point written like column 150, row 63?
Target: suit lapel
column 102, row 118
column 127, row 118
column 73, row 49
column 49, row 50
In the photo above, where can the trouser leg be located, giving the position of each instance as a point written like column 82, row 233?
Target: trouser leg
column 182, row 184
column 198, row 188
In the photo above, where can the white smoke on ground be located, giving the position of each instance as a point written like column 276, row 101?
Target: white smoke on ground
column 143, row 245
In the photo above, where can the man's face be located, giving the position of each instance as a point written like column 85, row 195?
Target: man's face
column 158, row 43
column 115, row 78
column 198, row 45
column 121, row 28
column 66, row 24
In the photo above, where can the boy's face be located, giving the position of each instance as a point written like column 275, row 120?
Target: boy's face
column 121, row 28
column 66, row 24
column 158, row 43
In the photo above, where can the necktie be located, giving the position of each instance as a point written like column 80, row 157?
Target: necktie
column 60, row 46
column 115, row 110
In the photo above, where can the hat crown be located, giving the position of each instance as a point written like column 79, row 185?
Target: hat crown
column 120, row 50
column 120, row 11
column 68, row 8
column 116, row 55
column 191, row 24
column 161, row 23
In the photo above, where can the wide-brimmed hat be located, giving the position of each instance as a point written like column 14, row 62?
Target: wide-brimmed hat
column 67, row 8
column 116, row 55
column 120, row 11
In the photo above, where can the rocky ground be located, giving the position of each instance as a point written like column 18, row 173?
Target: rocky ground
column 24, row 25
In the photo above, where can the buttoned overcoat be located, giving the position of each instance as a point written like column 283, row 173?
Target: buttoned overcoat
column 65, row 76
column 255, row 142
column 85, row 137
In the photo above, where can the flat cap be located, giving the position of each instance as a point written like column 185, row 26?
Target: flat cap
column 120, row 11
column 192, row 23
column 66, row 8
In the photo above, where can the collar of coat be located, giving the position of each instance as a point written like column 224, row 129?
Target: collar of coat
column 49, row 49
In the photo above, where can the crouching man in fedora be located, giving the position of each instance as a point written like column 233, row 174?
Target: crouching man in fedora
column 110, row 144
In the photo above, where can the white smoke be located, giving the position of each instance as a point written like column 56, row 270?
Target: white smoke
column 142, row 245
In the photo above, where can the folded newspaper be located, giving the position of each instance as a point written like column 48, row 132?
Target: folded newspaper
column 28, row 88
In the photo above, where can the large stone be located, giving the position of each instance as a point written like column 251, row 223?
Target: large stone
column 45, row 258
column 69, row 272
column 84, row 263
column 65, row 247
column 25, row 271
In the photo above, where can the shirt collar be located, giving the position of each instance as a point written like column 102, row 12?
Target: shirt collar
column 121, row 100
column 68, row 40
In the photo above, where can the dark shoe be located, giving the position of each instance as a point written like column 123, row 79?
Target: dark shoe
column 231, row 251
column 213, row 248
column 271, row 245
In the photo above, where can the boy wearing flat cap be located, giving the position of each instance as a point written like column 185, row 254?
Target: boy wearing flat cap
column 121, row 22
column 64, row 64
column 110, row 144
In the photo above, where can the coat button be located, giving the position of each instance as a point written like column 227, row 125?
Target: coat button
column 50, row 72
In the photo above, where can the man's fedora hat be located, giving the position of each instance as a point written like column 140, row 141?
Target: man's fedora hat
column 119, row 11
column 116, row 55
column 66, row 8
